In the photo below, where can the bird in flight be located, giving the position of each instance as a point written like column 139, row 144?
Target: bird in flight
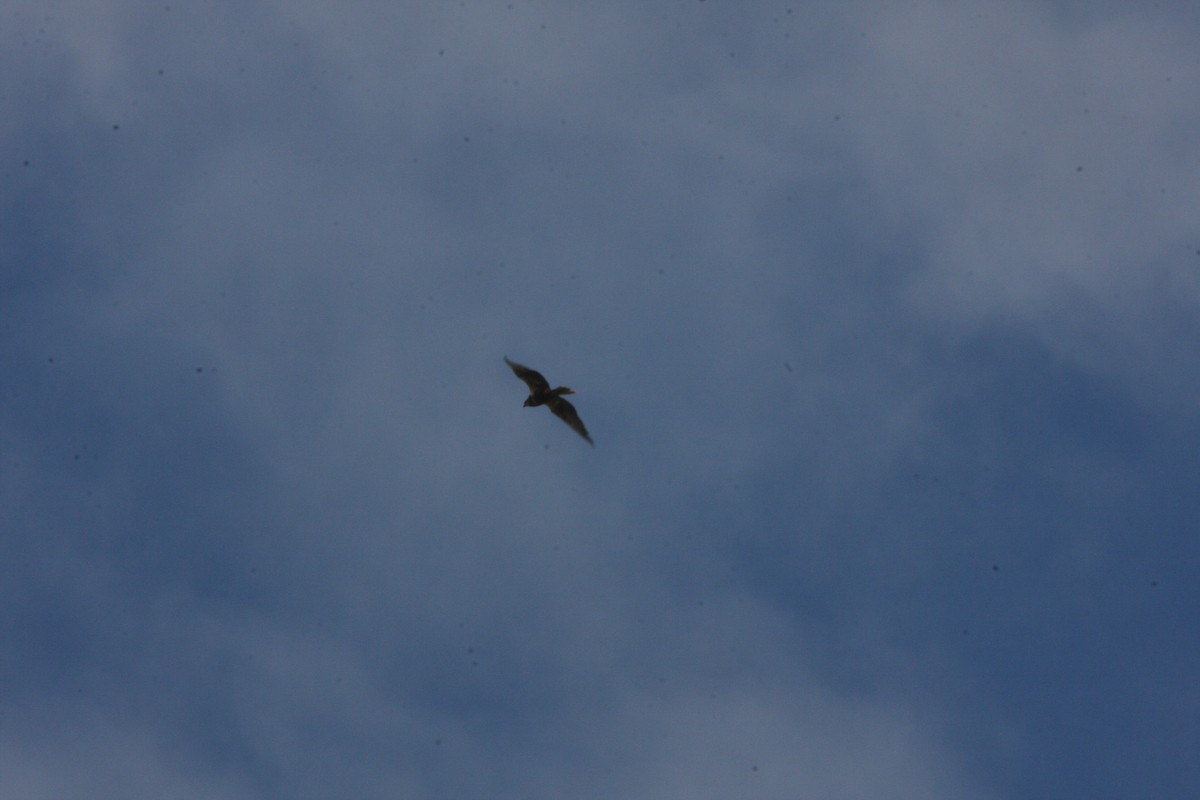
column 540, row 394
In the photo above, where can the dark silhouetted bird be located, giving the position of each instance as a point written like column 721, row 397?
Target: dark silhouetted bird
column 540, row 394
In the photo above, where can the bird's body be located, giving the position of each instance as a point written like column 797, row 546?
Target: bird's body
column 540, row 394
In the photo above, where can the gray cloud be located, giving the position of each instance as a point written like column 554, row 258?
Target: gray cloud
column 874, row 313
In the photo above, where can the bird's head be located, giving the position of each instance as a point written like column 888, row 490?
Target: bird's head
column 563, row 390
column 528, row 402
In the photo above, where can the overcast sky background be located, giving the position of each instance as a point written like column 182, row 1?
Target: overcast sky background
column 883, row 316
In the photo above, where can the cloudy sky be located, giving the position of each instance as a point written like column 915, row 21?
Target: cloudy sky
column 883, row 317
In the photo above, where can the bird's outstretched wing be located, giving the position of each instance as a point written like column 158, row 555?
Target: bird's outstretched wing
column 533, row 379
column 566, row 412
